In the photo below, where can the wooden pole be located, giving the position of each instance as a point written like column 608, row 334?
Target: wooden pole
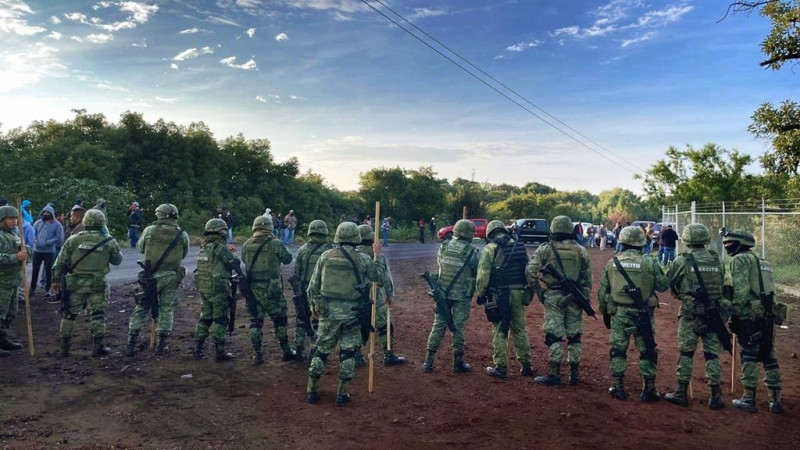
column 153, row 334
column 389, row 327
column 733, row 365
column 25, row 279
column 372, row 333
column 691, row 390
column 464, row 212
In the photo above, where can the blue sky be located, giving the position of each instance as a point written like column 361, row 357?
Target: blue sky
column 338, row 86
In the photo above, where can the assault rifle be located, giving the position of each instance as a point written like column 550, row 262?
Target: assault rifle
column 301, row 308
column 232, row 304
column 767, row 331
column 364, row 311
column 500, row 295
column 710, row 310
column 63, row 295
column 149, row 288
column 439, row 299
column 571, row 288
column 243, row 284
column 641, row 320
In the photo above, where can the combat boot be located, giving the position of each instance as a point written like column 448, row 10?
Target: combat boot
column 312, row 397
column 130, row 346
column 574, row 374
column 298, row 354
column 220, row 354
column 390, row 359
column 161, row 345
column 199, row 348
column 649, row 392
column 427, row 366
column 679, row 396
column 5, row 344
column 459, row 366
column 747, row 402
column 342, row 399
column 99, row 347
column 552, row 379
column 526, row 371
column 288, row 355
column 775, row 405
column 716, row 401
column 258, row 358
column 617, row 390
column 497, row 372
column 64, row 347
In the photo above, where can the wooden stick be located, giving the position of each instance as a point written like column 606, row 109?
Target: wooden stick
column 691, row 390
column 464, row 212
column 733, row 365
column 153, row 335
column 25, row 279
column 388, row 327
column 374, row 311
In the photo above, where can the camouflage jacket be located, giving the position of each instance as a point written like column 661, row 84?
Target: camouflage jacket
column 683, row 279
column 648, row 277
column 268, row 264
column 10, row 269
column 89, row 275
column 578, row 269
column 452, row 256
column 307, row 257
column 335, row 280
column 386, row 284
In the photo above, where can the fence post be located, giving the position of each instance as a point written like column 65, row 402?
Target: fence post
column 723, row 214
column 694, row 210
column 763, row 229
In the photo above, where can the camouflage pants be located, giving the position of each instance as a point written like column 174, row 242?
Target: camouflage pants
column 622, row 328
column 96, row 303
column 300, row 334
column 687, row 344
column 519, row 333
column 337, row 327
column 9, row 304
column 214, row 311
column 749, row 356
column 167, row 284
column 461, row 310
column 562, row 318
column 272, row 303
column 381, row 325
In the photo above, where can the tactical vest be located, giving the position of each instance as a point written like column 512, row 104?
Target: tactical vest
column 9, row 243
column 96, row 263
column 160, row 236
column 571, row 258
column 212, row 275
column 309, row 260
column 766, row 274
column 338, row 276
column 267, row 266
column 453, row 256
column 711, row 271
column 633, row 263
column 515, row 259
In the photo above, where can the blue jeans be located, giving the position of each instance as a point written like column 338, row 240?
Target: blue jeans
column 288, row 236
column 385, row 236
column 230, row 236
column 618, row 248
column 134, row 234
column 669, row 255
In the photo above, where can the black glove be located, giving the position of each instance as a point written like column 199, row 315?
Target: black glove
column 607, row 321
column 482, row 299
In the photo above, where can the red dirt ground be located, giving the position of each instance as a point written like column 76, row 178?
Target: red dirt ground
column 145, row 402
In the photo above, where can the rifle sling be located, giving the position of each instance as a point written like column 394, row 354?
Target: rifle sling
column 168, row 250
column 561, row 264
column 255, row 257
column 352, row 263
column 696, row 269
column 630, row 282
column 91, row 250
column 458, row 274
column 308, row 262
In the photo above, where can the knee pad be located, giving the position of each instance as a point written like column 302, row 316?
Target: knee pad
column 550, row 339
column 280, row 321
column 771, row 364
column 710, row 356
column 749, row 356
column 322, row 356
column 689, row 355
column 574, row 339
column 346, row 354
column 256, row 323
column 98, row 315
column 617, row 353
column 206, row 322
column 222, row 321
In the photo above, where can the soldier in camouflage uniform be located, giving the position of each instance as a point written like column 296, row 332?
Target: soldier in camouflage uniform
column 385, row 297
column 153, row 243
column 213, row 279
column 304, row 263
column 746, row 276
column 502, row 267
column 619, row 312
column 562, row 317
column 85, row 258
column 693, row 322
column 335, row 297
column 10, row 275
column 458, row 266
column 263, row 255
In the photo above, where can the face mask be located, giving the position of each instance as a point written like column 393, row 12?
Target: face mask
column 731, row 248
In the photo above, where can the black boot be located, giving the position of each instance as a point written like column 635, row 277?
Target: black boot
column 497, row 372
column 574, row 375
column 390, row 359
column 161, row 345
column 527, row 370
column 220, row 354
column 64, row 347
column 99, row 348
column 617, row 390
column 258, row 357
column 199, row 349
column 342, row 399
column 459, row 366
column 130, row 346
column 7, row 345
column 775, row 405
column 298, row 354
column 312, row 397
column 679, row 396
column 427, row 366
column 649, row 392
column 716, row 401
column 552, row 379
column 747, row 402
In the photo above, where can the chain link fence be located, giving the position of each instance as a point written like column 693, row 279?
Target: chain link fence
column 774, row 223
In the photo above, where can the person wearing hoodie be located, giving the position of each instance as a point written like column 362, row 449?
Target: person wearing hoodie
column 49, row 234
column 26, row 211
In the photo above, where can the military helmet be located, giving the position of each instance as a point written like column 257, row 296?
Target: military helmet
column 366, row 233
column 215, row 226
column 166, row 210
column 741, row 236
column 347, row 233
column 493, row 226
column 261, row 223
column 8, row 211
column 318, row 227
column 695, row 234
column 632, row 235
column 94, row 218
column 561, row 224
column 464, row 228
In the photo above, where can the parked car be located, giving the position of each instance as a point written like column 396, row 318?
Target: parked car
column 480, row 229
column 585, row 226
column 531, row 230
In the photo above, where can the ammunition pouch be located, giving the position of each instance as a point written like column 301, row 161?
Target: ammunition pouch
column 492, row 309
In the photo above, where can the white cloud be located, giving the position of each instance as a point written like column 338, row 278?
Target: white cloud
column 76, row 17
column 76, row 38
column 193, row 53
column 194, row 30
column 635, row 40
column 12, row 19
column 522, row 46
column 116, row 26
column 100, row 5
column 251, row 32
column 166, row 100
column 261, row 99
column 344, row 6
column 231, row 62
column 55, row 35
column 105, row 85
column 99, row 38
column 29, row 67
column 173, row 66
column 223, row 21
column 140, row 12
column 142, row 44
column 55, row 20
column 282, row 37
column 15, row 5
column 421, row 13
column 568, row 31
column 297, row 97
column 664, row 16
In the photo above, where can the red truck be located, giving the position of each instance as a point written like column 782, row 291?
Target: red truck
column 480, row 229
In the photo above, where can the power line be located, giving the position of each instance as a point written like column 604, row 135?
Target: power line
column 501, row 84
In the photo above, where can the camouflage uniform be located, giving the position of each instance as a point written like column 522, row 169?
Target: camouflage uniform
column 335, row 300
column 510, row 257
column 693, row 322
column 153, row 243
column 742, row 286
column 307, row 256
column 264, row 274
column 213, row 279
column 562, row 317
column 10, row 276
column 453, row 255
column 86, row 282
column 647, row 275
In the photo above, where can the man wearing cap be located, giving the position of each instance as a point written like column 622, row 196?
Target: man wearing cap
column 290, row 222
column 135, row 222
